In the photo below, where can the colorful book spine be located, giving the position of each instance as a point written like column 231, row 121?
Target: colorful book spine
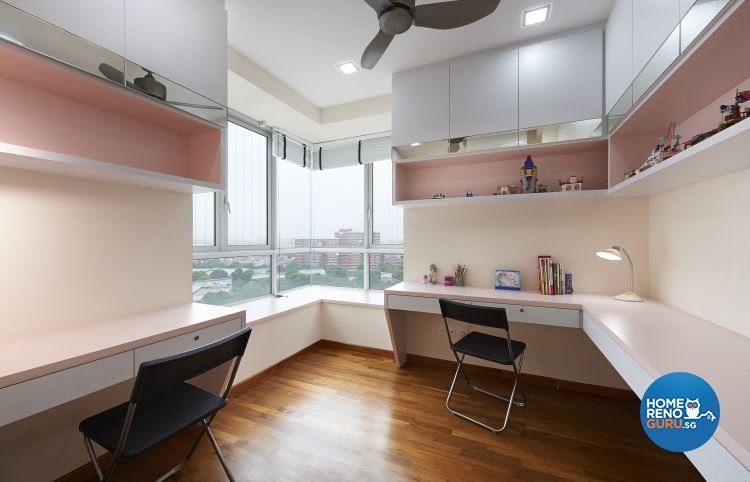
column 553, row 280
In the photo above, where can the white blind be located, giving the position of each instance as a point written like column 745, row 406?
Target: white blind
column 333, row 155
column 292, row 150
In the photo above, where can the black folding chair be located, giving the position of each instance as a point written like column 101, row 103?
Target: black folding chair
column 163, row 404
column 487, row 347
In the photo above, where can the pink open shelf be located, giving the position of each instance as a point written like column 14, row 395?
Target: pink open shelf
column 50, row 107
column 690, row 94
column 482, row 173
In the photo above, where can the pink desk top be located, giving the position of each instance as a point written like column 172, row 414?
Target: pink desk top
column 661, row 339
column 24, row 358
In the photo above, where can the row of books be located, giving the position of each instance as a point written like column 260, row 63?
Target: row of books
column 553, row 280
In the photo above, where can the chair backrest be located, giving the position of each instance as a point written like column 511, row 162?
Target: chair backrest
column 474, row 314
column 156, row 374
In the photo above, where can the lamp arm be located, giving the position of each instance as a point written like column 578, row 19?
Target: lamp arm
column 630, row 262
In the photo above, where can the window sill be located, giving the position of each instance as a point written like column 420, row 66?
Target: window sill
column 269, row 307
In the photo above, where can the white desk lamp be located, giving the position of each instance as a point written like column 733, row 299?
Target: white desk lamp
column 615, row 254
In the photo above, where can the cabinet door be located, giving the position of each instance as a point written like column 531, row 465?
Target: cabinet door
column 561, row 80
column 618, row 54
column 98, row 21
column 484, row 94
column 183, row 40
column 653, row 21
column 421, row 105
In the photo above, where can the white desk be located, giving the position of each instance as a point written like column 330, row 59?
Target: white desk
column 45, row 370
column 643, row 341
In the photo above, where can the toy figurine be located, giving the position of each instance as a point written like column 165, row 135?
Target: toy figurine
column 572, row 184
column 730, row 115
column 667, row 147
column 502, row 191
column 469, row 194
column 432, row 277
column 542, row 188
column 528, row 176
column 438, row 196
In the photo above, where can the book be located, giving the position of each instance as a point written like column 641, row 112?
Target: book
column 553, row 280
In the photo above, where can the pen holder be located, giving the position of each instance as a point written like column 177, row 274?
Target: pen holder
column 458, row 280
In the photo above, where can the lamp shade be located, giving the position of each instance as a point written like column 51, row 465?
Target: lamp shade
column 611, row 254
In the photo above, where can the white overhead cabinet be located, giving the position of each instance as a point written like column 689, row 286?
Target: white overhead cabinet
column 653, row 22
column 484, row 94
column 99, row 21
column 421, row 105
column 560, row 80
column 618, row 53
column 183, row 40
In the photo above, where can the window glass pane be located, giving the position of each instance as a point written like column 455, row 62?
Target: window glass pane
column 247, row 190
column 294, row 270
column 387, row 219
column 338, row 269
column 338, row 205
column 386, row 270
column 293, row 205
column 204, row 231
column 222, row 281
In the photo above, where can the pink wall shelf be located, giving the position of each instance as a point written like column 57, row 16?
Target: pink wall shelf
column 482, row 173
column 58, row 119
column 689, row 94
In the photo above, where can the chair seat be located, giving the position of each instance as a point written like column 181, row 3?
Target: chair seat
column 488, row 347
column 157, row 417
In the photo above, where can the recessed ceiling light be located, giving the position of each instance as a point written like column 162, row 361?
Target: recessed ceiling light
column 415, row 144
column 536, row 15
column 348, row 67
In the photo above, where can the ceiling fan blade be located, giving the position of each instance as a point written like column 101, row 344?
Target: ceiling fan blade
column 379, row 5
column 447, row 15
column 112, row 73
column 375, row 50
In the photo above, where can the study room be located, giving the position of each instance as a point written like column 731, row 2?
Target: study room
column 388, row 240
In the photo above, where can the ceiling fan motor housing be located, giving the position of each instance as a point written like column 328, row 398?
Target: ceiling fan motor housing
column 396, row 20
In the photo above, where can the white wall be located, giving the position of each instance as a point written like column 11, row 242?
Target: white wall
column 356, row 325
column 76, row 251
column 698, row 247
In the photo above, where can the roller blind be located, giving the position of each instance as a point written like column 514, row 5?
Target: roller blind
column 332, row 155
column 290, row 149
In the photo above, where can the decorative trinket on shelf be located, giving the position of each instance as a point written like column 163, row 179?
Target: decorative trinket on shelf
column 448, row 280
column 432, row 277
column 543, row 187
column 502, row 191
column 572, row 184
column 730, row 114
column 469, row 194
column 528, row 176
column 459, row 274
column 438, row 196
column 667, row 147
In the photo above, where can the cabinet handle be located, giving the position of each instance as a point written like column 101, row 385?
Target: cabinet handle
column 196, row 337
column 521, row 310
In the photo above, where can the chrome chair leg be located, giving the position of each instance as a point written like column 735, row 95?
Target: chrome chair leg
column 92, row 456
column 510, row 400
column 217, row 450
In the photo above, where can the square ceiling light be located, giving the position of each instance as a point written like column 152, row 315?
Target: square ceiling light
column 536, row 15
column 348, row 67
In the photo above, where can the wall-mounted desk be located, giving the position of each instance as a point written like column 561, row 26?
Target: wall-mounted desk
column 45, row 370
column 643, row 341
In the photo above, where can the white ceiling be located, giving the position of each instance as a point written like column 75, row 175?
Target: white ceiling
column 301, row 41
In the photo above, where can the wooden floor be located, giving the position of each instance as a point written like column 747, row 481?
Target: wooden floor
column 341, row 414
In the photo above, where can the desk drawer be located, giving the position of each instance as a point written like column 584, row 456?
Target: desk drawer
column 183, row 343
column 420, row 304
column 540, row 315
column 33, row 396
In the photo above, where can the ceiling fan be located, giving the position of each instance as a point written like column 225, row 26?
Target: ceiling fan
column 397, row 16
column 149, row 86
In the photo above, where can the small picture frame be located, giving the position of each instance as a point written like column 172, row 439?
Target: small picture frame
column 507, row 279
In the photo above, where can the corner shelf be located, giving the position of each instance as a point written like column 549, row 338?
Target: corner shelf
column 720, row 154
column 502, row 200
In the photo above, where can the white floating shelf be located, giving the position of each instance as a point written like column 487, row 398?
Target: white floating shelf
column 513, row 198
column 27, row 158
column 723, row 153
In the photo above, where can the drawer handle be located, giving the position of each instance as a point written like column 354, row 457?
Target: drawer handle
column 521, row 310
column 196, row 337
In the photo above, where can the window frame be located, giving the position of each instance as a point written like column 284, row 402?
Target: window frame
column 222, row 249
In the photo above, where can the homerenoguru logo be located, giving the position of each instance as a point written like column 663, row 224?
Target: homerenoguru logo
column 680, row 412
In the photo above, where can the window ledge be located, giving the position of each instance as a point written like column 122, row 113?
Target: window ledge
column 264, row 309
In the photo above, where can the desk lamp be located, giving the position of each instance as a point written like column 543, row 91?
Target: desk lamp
column 615, row 253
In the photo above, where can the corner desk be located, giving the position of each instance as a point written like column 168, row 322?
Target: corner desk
column 642, row 341
column 44, row 370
